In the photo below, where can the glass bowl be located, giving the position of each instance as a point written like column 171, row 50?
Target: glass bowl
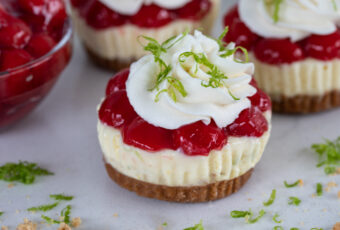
column 24, row 87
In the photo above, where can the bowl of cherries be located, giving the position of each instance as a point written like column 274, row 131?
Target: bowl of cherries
column 35, row 48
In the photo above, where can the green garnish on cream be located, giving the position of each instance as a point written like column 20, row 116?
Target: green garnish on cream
column 335, row 6
column 276, row 220
column 319, row 189
column 23, row 172
column 275, row 6
column 156, row 50
column 196, row 227
column 329, row 155
column 291, row 185
column 61, row 197
column 43, row 208
column 271, row 198
column 294, row 201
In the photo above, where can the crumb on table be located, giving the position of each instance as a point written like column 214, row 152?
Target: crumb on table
column 27, row 225
column 301, row 183
column 64, row 226
column 336, row 226
column 4, row 228
column 76, row 222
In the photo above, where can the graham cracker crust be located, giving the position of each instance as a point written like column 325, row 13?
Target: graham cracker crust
column 193, row 194
column 304, row 104
column 109, row 64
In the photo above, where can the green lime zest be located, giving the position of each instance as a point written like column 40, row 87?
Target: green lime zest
column 276, row 220
column 65, row 213
column 216, row 75
column 196, row 227
column 278, row 228
column 335, row 6
column 294, row 201
column 251, row 220
column 296, row 183
column 61, row 197
column 294, row 229
column 319, row 189
column 239, row 214
column 316, row 229
column 43, row 208
column 165, row 224
column 329, row 155
column 23, row 172
column 50, row 220
column 271, row 198
column 156, row 50
column 1, row 213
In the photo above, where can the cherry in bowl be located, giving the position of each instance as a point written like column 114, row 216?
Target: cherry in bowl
column 28, row 74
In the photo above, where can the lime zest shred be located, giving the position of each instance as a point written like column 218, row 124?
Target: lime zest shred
column 196, row 227
column 239, row 214
column 294, row 201
column 43, row 208
column 296, row 183
column 276, row 220
column 251, row 220
column 271, row 198
column 61, row 197
column 49, row 220
column 319, row 189
column 278, row 228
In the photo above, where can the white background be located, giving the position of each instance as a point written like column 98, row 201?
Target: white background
column 61, row 136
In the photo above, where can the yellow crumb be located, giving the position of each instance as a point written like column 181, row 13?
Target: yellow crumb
column 324, row 210
column 338, row 194
column 332, row 184
column 17, row 211
column 301, row 183
column 76, row 222
column 336, row 226
column 327, row 189
column 11, row 185
column 250, row 199
column 64, row 226
column 338, row 171
column 115, row 215
column 313, row 195
column 27, row 225
column 4, row 228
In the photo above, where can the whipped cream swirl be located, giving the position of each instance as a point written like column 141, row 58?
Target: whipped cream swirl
column 222, row 104
column 131, row 7
column 298, row 19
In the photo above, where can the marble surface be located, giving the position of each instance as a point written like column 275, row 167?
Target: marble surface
column 61, row 136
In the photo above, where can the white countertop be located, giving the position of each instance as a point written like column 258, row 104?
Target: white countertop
column 60, row 135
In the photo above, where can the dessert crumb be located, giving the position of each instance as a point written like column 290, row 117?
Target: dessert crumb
column 332, row 184
column 250, row 199
column 4, row 228
column 27, row 225
column 302, row 223
column 324, row 210
column 115, row 215
column 11, row 185
column 337, row 226
column 313, row 195
column 301, row 183
column 338, row 171
column 76, row 222
column 17, row 211
column 338, row 194
column 64, row 226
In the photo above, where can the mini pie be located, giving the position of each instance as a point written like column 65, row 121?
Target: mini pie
column 109, row 28
column 184, row 124
column 295, row 48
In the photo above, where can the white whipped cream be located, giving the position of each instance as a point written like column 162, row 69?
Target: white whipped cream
column 297, row 18
column 201, row 103
column 131, row 7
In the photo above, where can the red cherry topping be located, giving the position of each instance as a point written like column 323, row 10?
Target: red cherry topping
column 278, row 51
column 195, row 9
column 117, row 82
column 323, row 47
column 100, row 16
column 151, row 16
column 251, row 123
column 261, row 101
column 146, row 136
column 14, row 33
column 231, row 17
column 40, row 45
column 14, row 58
column 116, row 110
column 199, row 139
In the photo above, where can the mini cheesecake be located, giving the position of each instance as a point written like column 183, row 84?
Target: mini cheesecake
column 188, row 124
column 296, row 51
column 109, row 29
